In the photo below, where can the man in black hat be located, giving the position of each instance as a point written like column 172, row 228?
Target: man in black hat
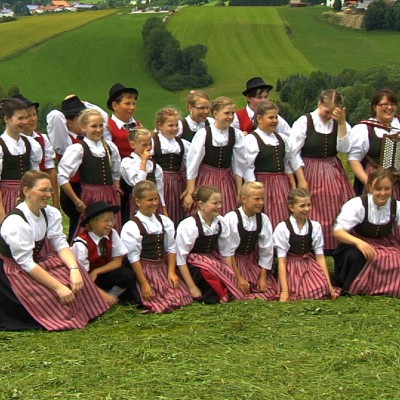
column 256, row 91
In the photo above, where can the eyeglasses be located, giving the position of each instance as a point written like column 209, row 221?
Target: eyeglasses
column 387, row 105
column 203, row 108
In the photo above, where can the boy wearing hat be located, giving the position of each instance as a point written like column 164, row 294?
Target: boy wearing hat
column 100, row 251
column 256, row 91
column 47, row 163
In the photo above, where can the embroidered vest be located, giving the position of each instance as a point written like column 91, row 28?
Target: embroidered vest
column 270, row 158
column 95, row 170
column 248, row 239
column 120, row 138
column 219, row 157
column 299, row 244
column 205, row 244
column 14, row 167
column 246, row 124
column 169, row 161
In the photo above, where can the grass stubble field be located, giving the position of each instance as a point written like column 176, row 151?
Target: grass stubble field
column 347, row 349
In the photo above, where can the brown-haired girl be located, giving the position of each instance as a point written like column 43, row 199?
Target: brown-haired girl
column 302, row 268
column 18, row 153
column 150, row 240
column 39, row 289
column 217, row 157
column 202, row 242
column 317, row 137
column 368, row 259
column 98, row 163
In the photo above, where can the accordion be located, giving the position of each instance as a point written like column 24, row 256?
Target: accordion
column 390, row 153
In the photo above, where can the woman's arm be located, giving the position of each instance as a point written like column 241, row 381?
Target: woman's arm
column 68, row 258
column 173, row 278
column 187, row 277
column 145, row 288
column 284, row 296
column 366, row 249
column 358, row 170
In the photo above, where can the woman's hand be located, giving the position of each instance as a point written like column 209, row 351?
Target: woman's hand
column 366, row 249
column 146, row 291
column 80, row 207
column 195, row 292
column 262, row 284
column 244, row 286
column 188, row 202
column 284, row 297
column 75, row 279
column 173, row 279
column 65, row 294
column 334, row 292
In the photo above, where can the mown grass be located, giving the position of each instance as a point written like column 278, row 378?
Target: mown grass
column 347, row 349
column 28, row 32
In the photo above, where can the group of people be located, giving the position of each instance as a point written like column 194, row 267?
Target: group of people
column 221, row 205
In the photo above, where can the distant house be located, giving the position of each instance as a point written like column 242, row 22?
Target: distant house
column 363, row 5
column 6, row 12
column 84, row 7
column 299, row 3
column 60, row 3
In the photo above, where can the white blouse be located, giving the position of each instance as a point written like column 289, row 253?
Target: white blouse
column 219, row 138
column 282, row 234
column 193, row 125
column 72, row 159
column 17, row 147
column 353, row 213
column 291, row 162
column 359, row 140
column 21, row 236
column 132, row 174
column 299, row 133
column 171, row 146
column 132, row 238
column 265, row 243
column 187, row 233
column 82, row 254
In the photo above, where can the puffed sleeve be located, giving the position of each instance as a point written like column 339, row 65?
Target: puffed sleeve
column 224, row 237
column 298, row 135
column 169, row 235
column 49, row 153
column 118, row 247
column 359, row 143
column 351, row 214
column 57, row 131
column 81, row 254
column 115, row 161
column 231, row 220
column 281, row 239
column 196, row 154
column 283, row 127
column 317, row 238
column 132, row 239
column 265, row 244
column 239, row 162
column 55, row 231
column 36, row 153
column 186, row 235
column 251, row 150
column 159, row 175
column 70, row 163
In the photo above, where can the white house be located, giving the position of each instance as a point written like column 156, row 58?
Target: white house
column 5, row 12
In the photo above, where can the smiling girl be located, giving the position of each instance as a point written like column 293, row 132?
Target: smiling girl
column 302, row 268
column 98, row 162
column 368, row 259
column 217, row 157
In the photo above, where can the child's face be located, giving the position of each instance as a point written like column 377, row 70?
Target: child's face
column 17, row 122
column 325, row 111
column 253, row 202
column 381, row 191
column 200, row 110
column 125, row 108
column 94, row 128
column 31, row 121
column 141, row 144
column 102, row 224
column 224, row 117
column 148, row 203
column 269, row 121
column 170, row 127
column 212, row 207
column 301, row 209
column 255, row 100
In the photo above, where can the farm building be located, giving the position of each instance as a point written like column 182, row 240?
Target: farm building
column 5, row 12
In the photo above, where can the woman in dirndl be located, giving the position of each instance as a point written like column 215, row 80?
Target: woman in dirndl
column 40, row 289
column 368, row 259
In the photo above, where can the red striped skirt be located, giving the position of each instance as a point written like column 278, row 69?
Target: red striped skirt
column 305, row 278
column 166, row 298
column 330, row 188
column 250, row 270
column 277, row 187
column 10, row 191
column 174, row 186
column 44, row 305
column 381, row 276
column 223, row 179
column 221, row 273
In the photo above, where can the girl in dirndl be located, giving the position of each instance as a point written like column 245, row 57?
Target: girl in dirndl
column 170, row 153
column 202, row 248
column 98, row 162
column 39, row 289
column 302, row 268
column 318, row 137
column 217, row 157
column 251, row 244
column 368, row 259
column 150, row 240
column 18, row 153
column 271, row 161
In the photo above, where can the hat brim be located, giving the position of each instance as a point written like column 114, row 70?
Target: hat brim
column 267, row 87
column 74, row 112
column 119, row 92
column 114, row 209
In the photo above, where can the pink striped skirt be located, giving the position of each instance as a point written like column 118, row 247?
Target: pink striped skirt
column 174, row 186
column 277, row 187
column 305, row 278
column 330, row 188
column 166, row 298
column 10, row 191
column 222, row 272
column 250, row 270
column 381, row 276
column 44, row 305
column 223, row 179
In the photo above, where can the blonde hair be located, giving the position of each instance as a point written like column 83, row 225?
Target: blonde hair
column 142, row 187
column 296, row 194
column 377, row 175
column 163, row 114
column 330, row 97
column 249, row 186
column 29, row 180
column 85, row 114
column 204, row 193
column 221, row 102
column 195, row 95
column 138, row 131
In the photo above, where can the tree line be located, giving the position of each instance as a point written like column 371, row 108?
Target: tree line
column 299, row 94
column 172, row 67
column 382, row 15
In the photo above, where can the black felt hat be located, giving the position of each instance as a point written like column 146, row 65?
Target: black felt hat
column 95, row 209
column 256, row 83
column 72, row 106
column 117, row 90
column 25, row 100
